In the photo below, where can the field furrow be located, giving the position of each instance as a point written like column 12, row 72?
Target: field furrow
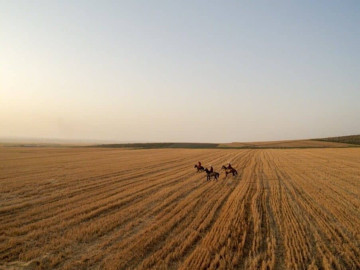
column 86, row 208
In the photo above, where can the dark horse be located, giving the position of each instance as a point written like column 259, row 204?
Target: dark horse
column 210, row 174
column 227, row 171
column 199, row 168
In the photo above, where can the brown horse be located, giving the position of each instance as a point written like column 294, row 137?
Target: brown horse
column 210, row 174
column 199, row 168
column 231, row 170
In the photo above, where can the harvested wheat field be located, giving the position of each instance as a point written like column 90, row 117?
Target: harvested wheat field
column 87, row 208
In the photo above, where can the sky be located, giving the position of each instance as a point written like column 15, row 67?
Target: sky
column 179, row 71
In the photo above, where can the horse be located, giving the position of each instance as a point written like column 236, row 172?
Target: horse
column 199, row 168
column 227, row 171
column 210, row 174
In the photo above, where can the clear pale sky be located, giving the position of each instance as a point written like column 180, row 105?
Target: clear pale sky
column 194, row 71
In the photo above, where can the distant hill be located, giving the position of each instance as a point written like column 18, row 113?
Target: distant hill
column 351, row 139
column 285, row 144
column 160, row 145
column 332, row 142
column 234, row 145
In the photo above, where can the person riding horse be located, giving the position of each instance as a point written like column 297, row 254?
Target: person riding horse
column 199, row 167
column 229, row 169
column 210, row 173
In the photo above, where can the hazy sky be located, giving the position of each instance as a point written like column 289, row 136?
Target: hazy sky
column 201, row 71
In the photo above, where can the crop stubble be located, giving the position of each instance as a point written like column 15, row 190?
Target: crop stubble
column 79, row 208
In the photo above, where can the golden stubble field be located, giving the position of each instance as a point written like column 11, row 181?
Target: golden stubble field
column 87, row 208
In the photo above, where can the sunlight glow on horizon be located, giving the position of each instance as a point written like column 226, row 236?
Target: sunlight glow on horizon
column 179, row 71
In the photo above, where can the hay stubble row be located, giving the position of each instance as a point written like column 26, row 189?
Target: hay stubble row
column 80, row 208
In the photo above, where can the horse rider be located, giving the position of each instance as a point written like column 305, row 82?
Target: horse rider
column 211, row 169
column 199, row 164
column 229, row 167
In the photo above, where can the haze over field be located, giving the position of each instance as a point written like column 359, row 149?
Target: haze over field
column 179, row 71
